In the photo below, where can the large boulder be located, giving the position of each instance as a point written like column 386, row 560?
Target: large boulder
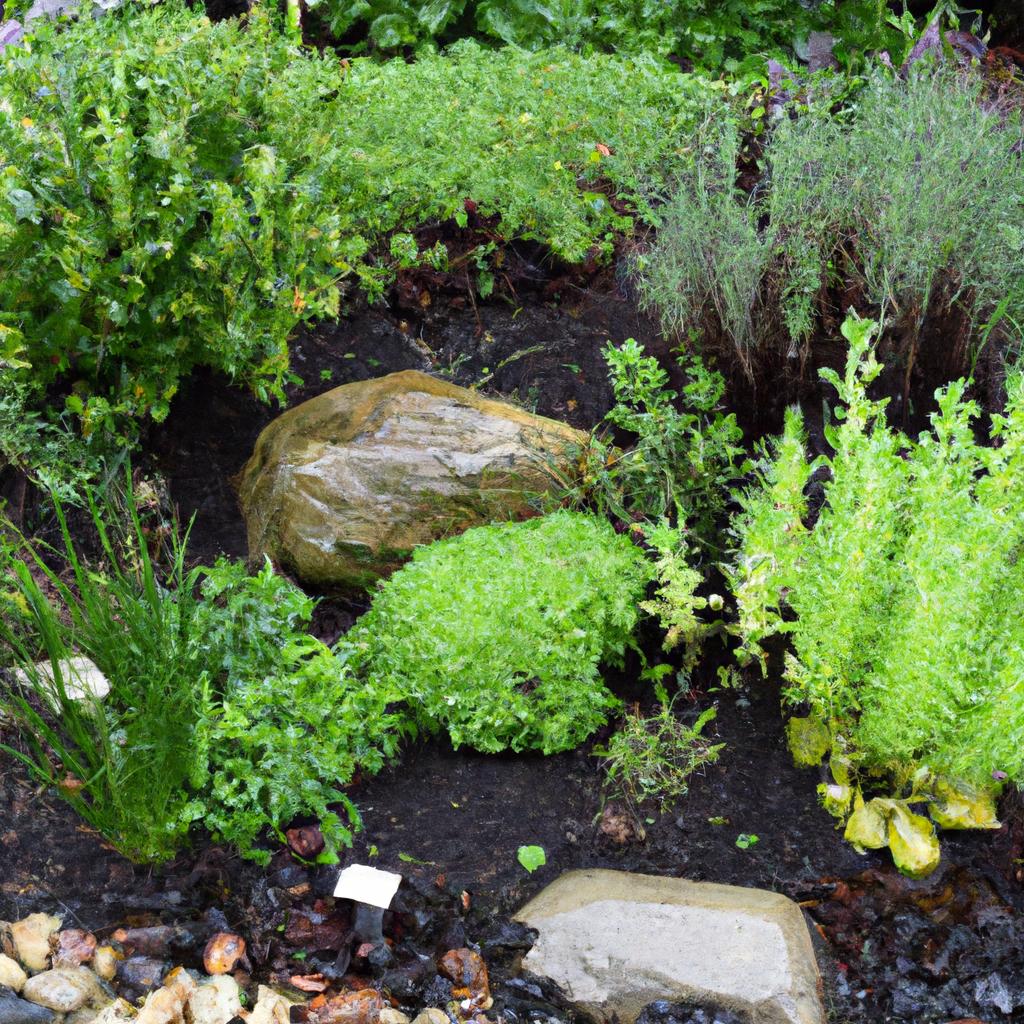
column 615, row 941
column 341, row 488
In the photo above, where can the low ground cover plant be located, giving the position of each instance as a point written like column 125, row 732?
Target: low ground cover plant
column 652, row 758
column 912, row 195
column 225, row 714
column 497, row 635
column 177, row 192
column 222, row 713
column 900, row 604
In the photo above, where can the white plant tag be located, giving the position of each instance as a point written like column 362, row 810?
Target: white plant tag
column 369, row 885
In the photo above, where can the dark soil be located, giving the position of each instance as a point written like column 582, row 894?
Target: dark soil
column 452, row 821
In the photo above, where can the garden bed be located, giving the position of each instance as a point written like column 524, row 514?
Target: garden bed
column 452, row 821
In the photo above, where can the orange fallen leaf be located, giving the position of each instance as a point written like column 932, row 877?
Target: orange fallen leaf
column 308, row 982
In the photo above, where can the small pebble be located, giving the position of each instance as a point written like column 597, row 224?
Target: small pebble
column 104, row 962
column 11, row 974
column 31, row 938
column 63, row 989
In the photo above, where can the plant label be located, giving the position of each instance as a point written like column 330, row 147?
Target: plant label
column 364, row 884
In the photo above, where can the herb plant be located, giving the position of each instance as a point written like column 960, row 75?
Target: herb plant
column 177, row 192
column 652, row 758
column 912, row 194
column 124, row 764
column 223, row 712
column 900, row 604
column 498, row 634
column 686, row 450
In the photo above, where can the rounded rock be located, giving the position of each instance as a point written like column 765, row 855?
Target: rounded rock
column 14, row 1010
column 105, row 961
column 31, row 938
column 432, row 1015
column 74, row 948
column 63, row 989
column 217, row 1001
column 11, row 974
column 223, row 952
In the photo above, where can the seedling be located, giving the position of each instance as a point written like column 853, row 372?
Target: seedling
column 531, row 857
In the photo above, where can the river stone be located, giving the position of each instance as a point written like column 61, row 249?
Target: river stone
column 82, row 679
column 615, row 941
column 31, row 938
column 217, row 1001
column 63, row 989
column 341, row 488
column 11, row 974
column 14, row 1010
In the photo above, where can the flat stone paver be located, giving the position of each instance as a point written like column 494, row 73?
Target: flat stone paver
column 615, row 941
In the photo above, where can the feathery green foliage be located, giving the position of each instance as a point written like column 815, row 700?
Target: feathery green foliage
column 686, row 453
column 914, row 192
column 652, row 758
column 902, row 602
column 177, row 192
column 498, row 634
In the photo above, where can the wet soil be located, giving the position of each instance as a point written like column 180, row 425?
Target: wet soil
column 452, row 821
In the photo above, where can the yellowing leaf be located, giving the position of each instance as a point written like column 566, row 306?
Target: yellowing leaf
column 959, row 805
column 835, row 798
column 866, row 829
column 914, row 845
column 808, row 739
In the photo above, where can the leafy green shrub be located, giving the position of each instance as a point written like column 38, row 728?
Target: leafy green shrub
column 653, row 758
column 914, row 192
column 498, row 634
column 177, row 192
column 290, row 724
column 901, row 603
column 223, row 712
column 683, row 459
column 710, row 32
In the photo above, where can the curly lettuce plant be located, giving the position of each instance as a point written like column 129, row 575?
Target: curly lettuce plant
column 901, row 605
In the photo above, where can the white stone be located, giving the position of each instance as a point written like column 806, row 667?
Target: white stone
column 389, row 1015
column 272, row 1008
column 11, row 974
column 615, row 941
column 167, row 1005
column 63, row 989
column 432, row 1015
column 119, row 1012
column 31, row 938
column 215, row 1002
column 82, row 679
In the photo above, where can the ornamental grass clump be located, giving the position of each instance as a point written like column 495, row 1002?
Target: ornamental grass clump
column 223, row 714
column 498, row 635
column 901, row 605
